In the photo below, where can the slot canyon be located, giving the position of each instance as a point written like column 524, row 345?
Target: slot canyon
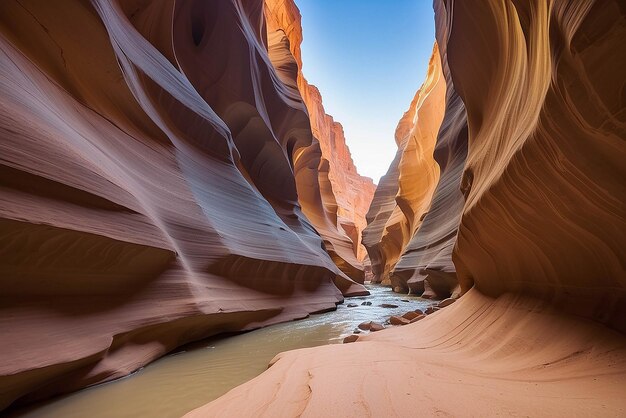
column 175, row 199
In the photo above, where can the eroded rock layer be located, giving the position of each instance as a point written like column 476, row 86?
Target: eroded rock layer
column 405, row 192
column 337, row 197
column 148, row 195
column 540, row 247
column 426, row 265
column 545, row 209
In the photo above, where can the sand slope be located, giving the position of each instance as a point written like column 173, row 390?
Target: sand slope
column 478, row 357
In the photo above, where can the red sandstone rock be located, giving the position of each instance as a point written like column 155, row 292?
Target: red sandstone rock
column 417, row 318
column 539, row 156
column 365, row 326
column 337, row 198
column 405, row 192
column 350, row 339
column 446, row 302
column 375, row 326
column 148, row 189
column 410, row 315
column 398, row 320
column 431, row 309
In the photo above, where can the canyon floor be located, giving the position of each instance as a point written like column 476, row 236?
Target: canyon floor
column 479, row 357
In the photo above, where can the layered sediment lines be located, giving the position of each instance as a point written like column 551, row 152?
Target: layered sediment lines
column 404, row 194
column 148, row 195
column 544, row 178
column 539, row 252
column 426, row 266
column 332, row 193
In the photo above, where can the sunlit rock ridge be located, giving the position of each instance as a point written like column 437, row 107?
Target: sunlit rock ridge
column 404, row 194
column 527, row 215
column 332, row 194
column 160, row 183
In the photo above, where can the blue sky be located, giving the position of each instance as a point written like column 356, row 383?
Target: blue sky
column 368, row 58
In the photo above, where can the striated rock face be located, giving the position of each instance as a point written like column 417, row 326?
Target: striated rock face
column 544, row 178
column 332, row 194
column 426, row 265
column 148, row 195
column 540, row 247
column 405, row 192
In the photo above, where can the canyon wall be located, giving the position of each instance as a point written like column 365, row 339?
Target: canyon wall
column 332, row 194
column 148, row 195
column 403, row 196
column 426, row 266
column 536, row 150
column 544, row 179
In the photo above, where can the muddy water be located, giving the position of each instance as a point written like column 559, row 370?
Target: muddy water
column 178, row 383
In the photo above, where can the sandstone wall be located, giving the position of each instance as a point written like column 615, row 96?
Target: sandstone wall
column 148, row 195
column 544, row 178
column 539, row 250
column 404, row 194
column 338, row 213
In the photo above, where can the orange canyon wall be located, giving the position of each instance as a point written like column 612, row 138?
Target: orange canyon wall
column 531, row 154
column 153, row 186
column 403, row 196
column 338, row 213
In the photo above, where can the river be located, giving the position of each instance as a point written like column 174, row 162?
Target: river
column 180, row 382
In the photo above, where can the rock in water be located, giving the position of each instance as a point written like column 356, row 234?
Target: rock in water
column 350, row 339
column 398, row 320
column 365, row 326
column 375, row 326
column 410, row 315
column 446, row 302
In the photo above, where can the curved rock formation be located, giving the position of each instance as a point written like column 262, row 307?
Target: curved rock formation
column 404, row 193
column 148, row 195
column 540, row 249
column 544, row 178
column 426, row 265
column 338, row 199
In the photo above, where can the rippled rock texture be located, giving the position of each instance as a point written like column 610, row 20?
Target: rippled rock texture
column 425, row 266
column 544, row 178
column 332, row 194
column 148, row 195
column 536, row 149
column 403, row 196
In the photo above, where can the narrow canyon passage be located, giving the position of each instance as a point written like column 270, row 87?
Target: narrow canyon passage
column 168, row 174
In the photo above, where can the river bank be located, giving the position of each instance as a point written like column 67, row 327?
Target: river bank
column 203, row 371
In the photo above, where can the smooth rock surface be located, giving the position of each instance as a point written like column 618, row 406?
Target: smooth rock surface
column 149, row 195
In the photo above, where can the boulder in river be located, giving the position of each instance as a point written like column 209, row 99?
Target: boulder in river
column 365, row 326
column 398, row 320
column 417, row 318
column 431, row 309
column 350, row 339
column 446, row 302
column 388, row 305
column 375, row 326
column 410, row 315
column 367, row 303
column 352, row 305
